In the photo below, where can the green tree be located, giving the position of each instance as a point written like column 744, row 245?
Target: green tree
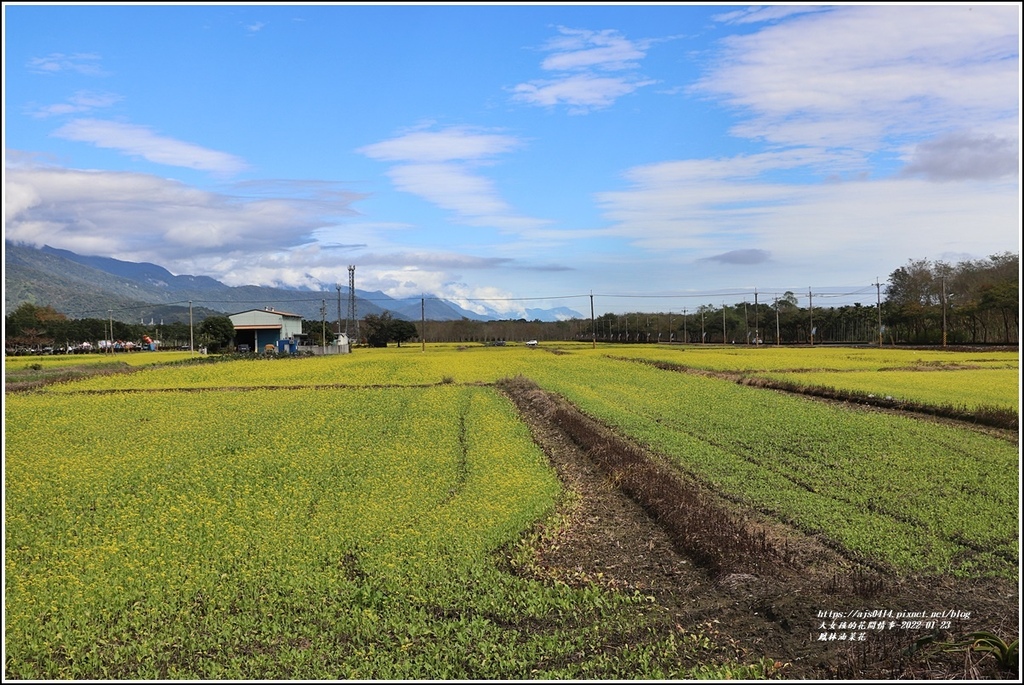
column 216, row 332
column 378, row 329
column 31, row 326
column 384, row 328
column 402, row 330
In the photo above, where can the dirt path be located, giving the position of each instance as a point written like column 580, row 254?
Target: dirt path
column 776, row 612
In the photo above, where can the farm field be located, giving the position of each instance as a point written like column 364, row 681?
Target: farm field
column 969, row 388
column 819, row 358
column 26, row 372
column 355, row 516
column 299, row 533
column 971, row 380
column 56, row 361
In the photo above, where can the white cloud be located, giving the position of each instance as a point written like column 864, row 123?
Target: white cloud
column 581, row 93
column 449, row 145
column 139, row 217
column 757, row 14
column 707, row 209
column 585, row 58
column 450, row 187
column 82, row 101
column 56, row 62
column 442, row 167
column 142, row 142
column 856, row 75
column 581, row 49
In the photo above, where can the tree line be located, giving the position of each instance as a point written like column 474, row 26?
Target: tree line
column 974, row 302
column 925, row 303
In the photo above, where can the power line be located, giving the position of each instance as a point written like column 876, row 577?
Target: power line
column 845, row 292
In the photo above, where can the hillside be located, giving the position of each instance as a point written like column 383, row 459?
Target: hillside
column 97, row 287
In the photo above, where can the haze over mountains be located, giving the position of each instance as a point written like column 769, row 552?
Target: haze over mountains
column 82, row 286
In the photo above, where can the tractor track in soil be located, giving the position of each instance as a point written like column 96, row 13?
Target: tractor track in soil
column 610, row 538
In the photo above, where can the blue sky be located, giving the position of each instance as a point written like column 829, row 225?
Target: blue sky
column 658, row 156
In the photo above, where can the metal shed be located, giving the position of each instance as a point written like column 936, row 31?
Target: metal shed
column 258, row 328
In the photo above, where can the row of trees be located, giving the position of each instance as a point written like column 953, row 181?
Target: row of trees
column 375, row 330
column 968, row 302
column 926, row 303
column 31, row 328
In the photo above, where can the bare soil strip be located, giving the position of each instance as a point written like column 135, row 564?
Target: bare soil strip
column 774, row 605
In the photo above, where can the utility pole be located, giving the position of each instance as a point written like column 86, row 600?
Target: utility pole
column 191, row 336
column 810, row 307
column 778, row 337
column 943, row 311
column 878, row 289
column 746, row 321
column 725, row 334
column 110, row 314
column 352, row 320
column 702, row 334
column 686, row 338
column 423, row 324
column 323, row 324
column 338, row 286
column 593, row 330
column 756, row 336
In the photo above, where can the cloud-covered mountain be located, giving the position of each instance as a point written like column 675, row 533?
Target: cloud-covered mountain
column 82, row 286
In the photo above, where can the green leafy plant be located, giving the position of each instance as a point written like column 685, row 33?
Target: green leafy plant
column 990, row 643
column 985, row 643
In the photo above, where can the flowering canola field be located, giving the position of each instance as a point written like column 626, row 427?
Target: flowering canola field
column 339, row 517
column 970, row 380
column 309, row 533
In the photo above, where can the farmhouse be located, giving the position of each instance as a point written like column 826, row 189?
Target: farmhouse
column 269, row 330
column 257, row 328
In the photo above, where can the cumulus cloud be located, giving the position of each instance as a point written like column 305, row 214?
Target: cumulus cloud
column 964, row 156
column 139, row 217
column 142, row 142
column 271, row 232
column 585, row 61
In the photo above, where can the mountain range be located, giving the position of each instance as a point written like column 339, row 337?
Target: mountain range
column 81, row 287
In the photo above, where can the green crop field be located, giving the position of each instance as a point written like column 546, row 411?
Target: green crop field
column 971, row 380
column 352, row 516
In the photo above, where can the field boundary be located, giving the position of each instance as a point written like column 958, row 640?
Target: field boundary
column 992, row 417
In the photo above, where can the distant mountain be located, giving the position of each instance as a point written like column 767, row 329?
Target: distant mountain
column 97, row 287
